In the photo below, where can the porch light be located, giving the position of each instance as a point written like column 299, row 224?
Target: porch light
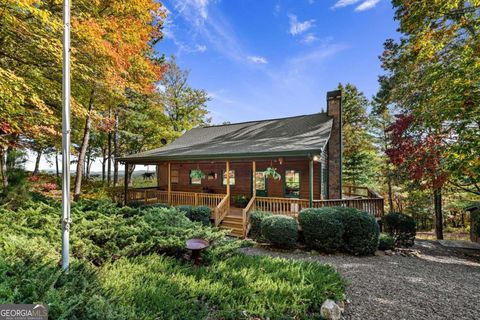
column 316, row 158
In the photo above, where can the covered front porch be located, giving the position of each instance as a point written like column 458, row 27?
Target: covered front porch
column 302, row 185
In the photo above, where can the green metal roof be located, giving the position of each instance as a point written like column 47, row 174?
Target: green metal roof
column 295, row 136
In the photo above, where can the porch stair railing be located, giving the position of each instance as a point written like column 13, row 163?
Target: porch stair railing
column 246, row 216
column 221, row 210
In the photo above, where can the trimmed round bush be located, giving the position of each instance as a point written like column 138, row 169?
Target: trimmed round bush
column 401, row 227
column 256, row 218
column 281, row 231
column 386, row 242
column 361, row 231
column 321, row 229
column 186, row 209
column 201, row 214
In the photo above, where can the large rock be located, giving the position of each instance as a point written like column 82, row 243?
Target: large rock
column 330, row 310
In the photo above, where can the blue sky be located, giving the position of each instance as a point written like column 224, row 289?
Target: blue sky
column 261, row 59
column 270, row 58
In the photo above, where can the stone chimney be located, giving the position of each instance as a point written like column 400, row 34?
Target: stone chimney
column 335, row 145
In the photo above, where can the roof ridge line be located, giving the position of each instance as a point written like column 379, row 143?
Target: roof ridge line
column 263, row 120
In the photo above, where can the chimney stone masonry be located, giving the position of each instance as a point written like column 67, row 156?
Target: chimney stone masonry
column 335, row 145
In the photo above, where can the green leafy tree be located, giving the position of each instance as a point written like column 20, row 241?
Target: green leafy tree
column 436, row 68
column 185, row 106
column 435, row 72
column 359, row 152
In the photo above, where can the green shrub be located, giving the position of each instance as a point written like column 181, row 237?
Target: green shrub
column 135, row 203
column 321, row 229
column 240, row 201
column 256, row 218
column 386, row 242
column 154, row 205
column 361, row 231
column 186, row 209
column 99, row 236
column 281, row 231
column 401, row 227
column 120, row 269
column 18, row 191
column 129, row 212
column 201, row 214
column 240, row 287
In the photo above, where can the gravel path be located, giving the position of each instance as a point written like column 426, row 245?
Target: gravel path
column 441, row 283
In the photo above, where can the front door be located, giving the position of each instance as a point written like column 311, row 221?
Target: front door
column 260, row 184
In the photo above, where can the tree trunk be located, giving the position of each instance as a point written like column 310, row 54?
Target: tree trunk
column 57, row 171
column 437, row 202
column 115, row 151
column 83, row 151
column 10, row 158
column 104, row 162
column 37, row 162
column 390, row 194
column 131, row 168
column 109, row 153
column 87, row 167
column 109, row 159
column 3, row 167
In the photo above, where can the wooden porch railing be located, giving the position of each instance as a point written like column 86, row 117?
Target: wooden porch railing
column 152, row 195
column 291, row 207
column 356, row 191
column 220, row 203
column 246, row 216
column 221, row 210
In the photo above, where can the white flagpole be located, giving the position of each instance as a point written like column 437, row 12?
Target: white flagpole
column 66, row 137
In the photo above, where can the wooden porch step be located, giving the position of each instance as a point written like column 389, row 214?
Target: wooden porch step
column 234, row 223
column 233, row 219
column 233, row 231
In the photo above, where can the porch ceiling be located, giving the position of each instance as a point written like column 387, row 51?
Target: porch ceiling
column 294, row 136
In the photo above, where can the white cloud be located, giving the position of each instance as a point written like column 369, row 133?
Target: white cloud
column 201, row 48
column 368, row 4
column 297, row 27
column 257, row 59
column 309, row 38
column 207, row 25
column 344, row 3
column 315, row 56
column 194, row 8
column 364, row 5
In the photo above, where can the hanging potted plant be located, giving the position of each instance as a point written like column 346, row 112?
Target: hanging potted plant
column 197, row 174
column 272, row 173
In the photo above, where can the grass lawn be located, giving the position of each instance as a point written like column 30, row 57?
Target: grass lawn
column 239, row 287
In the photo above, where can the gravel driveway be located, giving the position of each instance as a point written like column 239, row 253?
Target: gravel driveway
column 442, row 283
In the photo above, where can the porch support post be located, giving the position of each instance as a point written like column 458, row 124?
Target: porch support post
column 169, row 184
column 228, row 177
column 254, row 179
column 125, row 184
column 310, row 187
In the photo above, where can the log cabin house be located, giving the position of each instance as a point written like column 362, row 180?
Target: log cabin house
column 306, row 152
